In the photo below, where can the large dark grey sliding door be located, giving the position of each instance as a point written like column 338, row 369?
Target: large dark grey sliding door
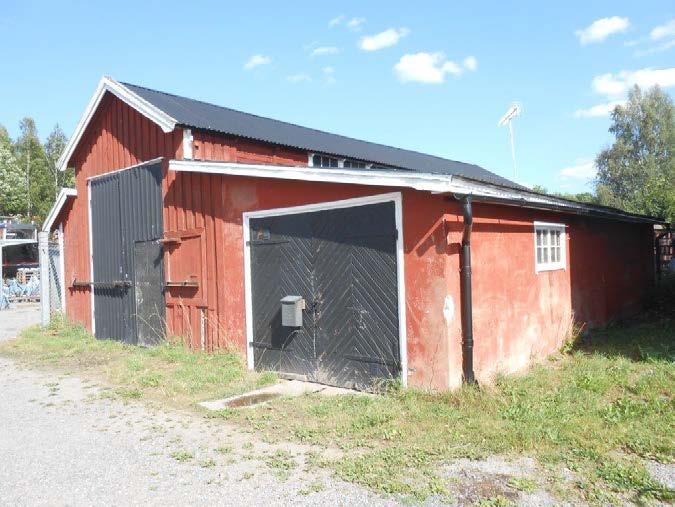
column 126, row 215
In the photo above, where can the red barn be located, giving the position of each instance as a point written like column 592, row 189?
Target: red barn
column 325, row 257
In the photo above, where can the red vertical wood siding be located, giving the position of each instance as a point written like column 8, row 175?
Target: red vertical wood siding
column 518, row 314
column 117, row 137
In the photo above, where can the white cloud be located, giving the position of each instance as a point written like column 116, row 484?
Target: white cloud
column 615, row 87
column 470, row 63
column 299, row 78
column 383, row 40
column 661, row 37
column 336, row 21
column 602, row 28
column 356, row 24
column 664, row 31
column 656, row 49
column 425, row 68
column 329, row 74
column 598, row 111
column 584, row 170
column 324, row 50
column 256, row 61
column 618, row 84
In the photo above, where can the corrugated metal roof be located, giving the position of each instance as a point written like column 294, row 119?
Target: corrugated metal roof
column 202, row 115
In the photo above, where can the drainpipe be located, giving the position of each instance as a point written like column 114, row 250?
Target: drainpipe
column 467, row 306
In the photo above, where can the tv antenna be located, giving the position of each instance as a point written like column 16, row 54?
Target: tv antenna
column 507, row 119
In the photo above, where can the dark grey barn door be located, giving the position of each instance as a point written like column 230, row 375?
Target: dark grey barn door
column 343, row 262
column 126, row 215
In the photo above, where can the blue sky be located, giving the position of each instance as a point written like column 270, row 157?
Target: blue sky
column 429, row 76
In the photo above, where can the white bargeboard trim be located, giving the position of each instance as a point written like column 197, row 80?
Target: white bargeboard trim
column 107, row 84
column 61, row 199
column 394, row 197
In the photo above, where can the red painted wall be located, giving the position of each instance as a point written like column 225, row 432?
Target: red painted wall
column 117, row 137
column 519, row 315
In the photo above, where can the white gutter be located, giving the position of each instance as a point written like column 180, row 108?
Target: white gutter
column 61, row 199
column 434, row 183
column 107, row 84
column 374, row 177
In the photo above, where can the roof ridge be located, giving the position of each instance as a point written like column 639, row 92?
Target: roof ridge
column 303, row 126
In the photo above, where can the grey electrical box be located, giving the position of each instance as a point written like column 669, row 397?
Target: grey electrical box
column 291, row 311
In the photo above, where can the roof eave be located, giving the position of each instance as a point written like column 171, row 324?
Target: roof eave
column 61, row 199
column 107, row 84
column 497, row 194
column 433, row 183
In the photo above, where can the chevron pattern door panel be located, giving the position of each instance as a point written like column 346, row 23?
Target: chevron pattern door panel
column 343, row 262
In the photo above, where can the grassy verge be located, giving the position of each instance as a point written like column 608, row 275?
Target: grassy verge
column 599, row 411
column 168, row 373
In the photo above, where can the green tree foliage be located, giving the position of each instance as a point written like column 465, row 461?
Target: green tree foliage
column 33, row 160
column 12, row 179
column 54, row 146
column 637, row 173
column 29, row 179
column 586, row 197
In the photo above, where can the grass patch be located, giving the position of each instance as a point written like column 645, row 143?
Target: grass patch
column 523, row 484
column 600, row 409
column 168, row 372
column 182, row 456
column 208, row 463
column 595, row 410
column 281, row 463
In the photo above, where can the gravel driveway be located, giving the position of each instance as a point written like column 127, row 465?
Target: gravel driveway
column 14, row 320
column 66, row 442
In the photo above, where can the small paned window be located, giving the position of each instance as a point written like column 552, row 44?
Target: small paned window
column 549, row 246
column 323, row 161
column 355, row 164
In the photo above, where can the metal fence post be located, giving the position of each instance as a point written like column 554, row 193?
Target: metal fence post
column 43, row 249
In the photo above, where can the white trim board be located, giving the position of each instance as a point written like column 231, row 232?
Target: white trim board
column 91, row 260
column 140, row 164
column 61, row 199
column 107, row 84
column 434, row 183
column 394, row 197
column 62, row 268
column 371, row 177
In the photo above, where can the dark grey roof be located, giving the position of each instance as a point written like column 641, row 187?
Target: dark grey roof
column 201, row 115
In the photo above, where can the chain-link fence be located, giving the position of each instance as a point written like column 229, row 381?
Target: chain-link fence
column 55, row 278
column 51, row 275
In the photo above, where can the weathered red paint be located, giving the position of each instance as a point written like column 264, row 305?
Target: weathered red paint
column 519, row 315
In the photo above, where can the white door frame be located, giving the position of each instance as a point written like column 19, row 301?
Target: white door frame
column 91, row 259
column 91, row 237
column 62, row 268
column 394, row 197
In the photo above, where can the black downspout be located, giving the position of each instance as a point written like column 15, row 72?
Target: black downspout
column 467, row 305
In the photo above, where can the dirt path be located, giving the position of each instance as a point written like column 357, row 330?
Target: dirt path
column 66, row 442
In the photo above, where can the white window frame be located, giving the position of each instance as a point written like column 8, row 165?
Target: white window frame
column 341, row 161
column 549, row 265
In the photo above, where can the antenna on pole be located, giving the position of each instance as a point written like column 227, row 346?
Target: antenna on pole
column 513, row 111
